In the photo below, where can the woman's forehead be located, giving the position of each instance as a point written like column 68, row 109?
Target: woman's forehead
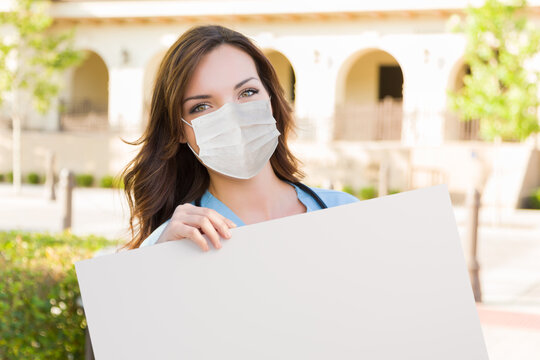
column 221, row 69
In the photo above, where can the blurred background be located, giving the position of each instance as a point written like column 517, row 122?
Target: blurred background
column 389, row 96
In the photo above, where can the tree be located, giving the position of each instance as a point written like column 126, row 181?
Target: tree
column 32, row 58
column 501, row 91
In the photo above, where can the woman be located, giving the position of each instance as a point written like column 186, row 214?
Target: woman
column 214, row 154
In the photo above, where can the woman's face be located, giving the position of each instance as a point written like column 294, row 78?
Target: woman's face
column 225, row 74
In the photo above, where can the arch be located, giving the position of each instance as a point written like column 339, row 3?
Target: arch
column 369, row 97
column 87, row 103
column 454, row 128
column 285, row 72
column 150, row 72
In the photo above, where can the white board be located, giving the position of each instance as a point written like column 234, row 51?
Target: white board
column 380, row 279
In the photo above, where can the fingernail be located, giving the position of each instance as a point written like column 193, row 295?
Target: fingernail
column 228, row 233
column 219, row 245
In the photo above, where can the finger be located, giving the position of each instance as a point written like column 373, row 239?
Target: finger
column 195, row 210
column 220, row 222
column 206, row 226
column 230, row 223
column 193, row 234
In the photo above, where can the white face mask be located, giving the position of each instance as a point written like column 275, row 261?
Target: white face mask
column 237, row 139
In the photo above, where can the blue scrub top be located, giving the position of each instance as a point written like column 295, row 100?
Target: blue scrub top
column 330, row 197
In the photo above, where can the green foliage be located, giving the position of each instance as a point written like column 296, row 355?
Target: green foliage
column 33, row 178
column 367, row 192
column 84, row 180
column 38, row 294
column 348, row 189
column 533, row 201
column 500, row 91
column 109, row 181
column 41, row 55
column 2, row 178
column 9, row 177
column 106, row 181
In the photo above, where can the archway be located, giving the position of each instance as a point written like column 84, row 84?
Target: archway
column 285, row 73
column 86, row 105
column 369, row 98
column 454, row 128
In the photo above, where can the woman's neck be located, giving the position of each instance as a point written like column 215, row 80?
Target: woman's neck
column 263, row 197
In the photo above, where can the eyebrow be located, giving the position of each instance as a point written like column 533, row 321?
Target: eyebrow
column 209, row 96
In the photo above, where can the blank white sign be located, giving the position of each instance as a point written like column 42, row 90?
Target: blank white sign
column 377, row 279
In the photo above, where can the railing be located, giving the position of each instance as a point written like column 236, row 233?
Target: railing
column 83, row 116
column 384, row 121
column 5, row 122
column 380, row 121
column 456, row 129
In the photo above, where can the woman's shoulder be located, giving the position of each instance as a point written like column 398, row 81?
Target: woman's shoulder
column 334, row 197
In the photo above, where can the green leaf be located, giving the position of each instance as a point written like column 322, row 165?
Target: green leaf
column 500, row 91
column 43, row 54
column 38, row 274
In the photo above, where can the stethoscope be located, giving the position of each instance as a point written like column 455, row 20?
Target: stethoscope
column 305, row 188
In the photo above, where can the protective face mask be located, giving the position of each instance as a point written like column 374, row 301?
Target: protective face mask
column 237, row 139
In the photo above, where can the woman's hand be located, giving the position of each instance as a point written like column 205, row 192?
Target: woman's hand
column 190, row 222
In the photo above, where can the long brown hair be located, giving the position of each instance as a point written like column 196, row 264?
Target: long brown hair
column 165, row 173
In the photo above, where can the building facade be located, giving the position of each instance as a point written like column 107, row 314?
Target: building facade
column 368, row 84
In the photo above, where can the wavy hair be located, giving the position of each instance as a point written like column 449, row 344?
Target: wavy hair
column 165, row 173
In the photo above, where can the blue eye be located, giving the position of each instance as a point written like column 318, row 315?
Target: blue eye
column 253, row 91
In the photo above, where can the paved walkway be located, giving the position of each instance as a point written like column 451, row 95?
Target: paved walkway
column 95, row 211
column 509, row 255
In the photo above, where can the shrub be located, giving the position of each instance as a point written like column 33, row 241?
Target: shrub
column 367, row 192
column 84, row 180
column 393, row 191
column 348, row 189
column 33, row 178
column 9, row 177
column 109, row 181
column 2, row 177
column 106, row 181
column 533, row 201
column 38, row 295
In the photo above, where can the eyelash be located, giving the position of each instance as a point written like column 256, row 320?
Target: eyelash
column 255, row 91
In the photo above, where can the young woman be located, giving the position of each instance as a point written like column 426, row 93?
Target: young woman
column 214, row 154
